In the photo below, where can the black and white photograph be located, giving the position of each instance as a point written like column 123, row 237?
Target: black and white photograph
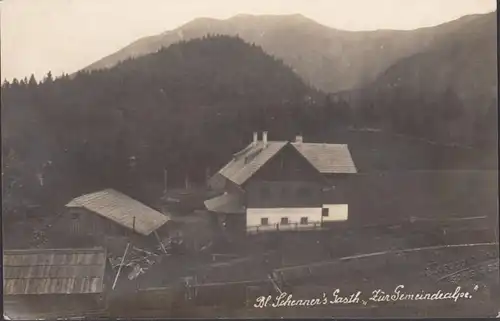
column 249, row 159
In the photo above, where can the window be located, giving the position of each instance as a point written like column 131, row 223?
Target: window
column 284, row 221
column 303, row 220
column 264, row 221
column 324, row 212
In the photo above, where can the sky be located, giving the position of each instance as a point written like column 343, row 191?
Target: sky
column 63, row 36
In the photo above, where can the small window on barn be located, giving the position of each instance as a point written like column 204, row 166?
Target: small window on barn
column 303, row 220
column 264, row 221
column 75, row 215
column 324, row 212
column 284, row 221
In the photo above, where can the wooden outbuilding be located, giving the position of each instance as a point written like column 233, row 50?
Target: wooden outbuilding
column 111, row 219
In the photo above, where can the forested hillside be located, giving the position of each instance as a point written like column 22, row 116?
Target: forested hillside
column 437, row 83
column 187, row 109
column 447, row 93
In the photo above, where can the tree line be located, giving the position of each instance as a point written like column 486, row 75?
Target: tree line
column 186, row 108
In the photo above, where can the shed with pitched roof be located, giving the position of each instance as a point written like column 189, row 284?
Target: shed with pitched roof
column 111, row 219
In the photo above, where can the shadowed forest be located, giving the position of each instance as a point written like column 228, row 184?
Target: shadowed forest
column 188, row 107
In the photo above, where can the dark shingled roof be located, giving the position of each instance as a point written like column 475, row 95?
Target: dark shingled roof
column 54, row 271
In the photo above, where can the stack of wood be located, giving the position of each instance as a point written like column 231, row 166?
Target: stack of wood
column 172, row 245
column 138, row 259
column 39, row 238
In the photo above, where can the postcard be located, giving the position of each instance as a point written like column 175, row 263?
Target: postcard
column 248, row 159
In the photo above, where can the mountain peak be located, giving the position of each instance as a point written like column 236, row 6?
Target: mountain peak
column 200, row 22
column 296, row 17
column 331, row 59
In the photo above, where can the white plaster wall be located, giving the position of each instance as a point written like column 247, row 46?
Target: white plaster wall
column 274, row 215
column 336, row 212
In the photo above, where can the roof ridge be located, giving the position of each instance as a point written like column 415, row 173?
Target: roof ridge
column 246, row 149
column 325, row 157
column 76, row 200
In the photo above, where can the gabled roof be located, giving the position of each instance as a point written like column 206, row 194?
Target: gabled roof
column 226, row 203
column 246, row 162
column 121, row 209
column 327, row 158
column 54, row 271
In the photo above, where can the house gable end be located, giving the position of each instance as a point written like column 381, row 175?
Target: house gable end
column 287, row 164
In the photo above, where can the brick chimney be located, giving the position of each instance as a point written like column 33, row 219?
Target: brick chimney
column 299, row 139
column 255, row 138
column 264, row 138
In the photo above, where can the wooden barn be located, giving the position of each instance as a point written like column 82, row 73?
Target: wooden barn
column 281, row 185
column 109, row 218
column 54, row 282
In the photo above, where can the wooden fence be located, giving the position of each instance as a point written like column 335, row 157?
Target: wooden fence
column 284, row 227
column 297, row 274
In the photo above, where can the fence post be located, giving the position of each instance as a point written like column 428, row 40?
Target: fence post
column 277, row 227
